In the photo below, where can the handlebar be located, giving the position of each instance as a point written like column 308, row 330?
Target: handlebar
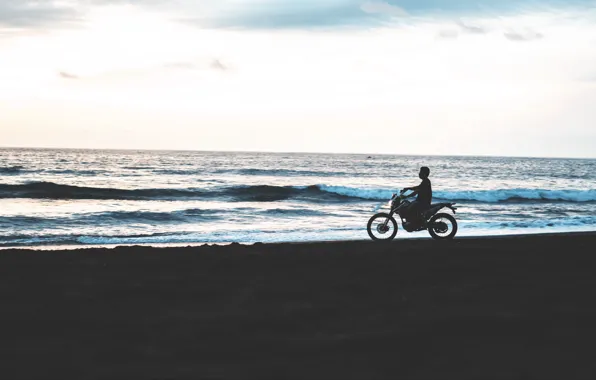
column 401, row 194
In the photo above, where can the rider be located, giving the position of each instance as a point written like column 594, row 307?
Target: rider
column 424, row 194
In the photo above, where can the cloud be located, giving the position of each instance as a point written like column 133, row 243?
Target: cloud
column 274, row 14
column 66, row 75
column 512, row 36
column 30, row 14
column 216, row 64
column 33, row 14
column 463, row 27
column 471, row 7
column 336, row 14
column 448, row 34
column 472, row 29
column 520, row 37
column 382, row 7
column 308, row 14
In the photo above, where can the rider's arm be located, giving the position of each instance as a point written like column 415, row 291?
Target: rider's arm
column 415, row 190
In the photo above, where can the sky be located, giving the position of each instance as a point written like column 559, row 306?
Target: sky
column 436, row 77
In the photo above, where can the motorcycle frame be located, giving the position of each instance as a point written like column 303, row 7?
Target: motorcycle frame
column 398, row 202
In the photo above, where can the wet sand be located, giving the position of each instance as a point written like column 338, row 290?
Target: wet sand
column 521, row 307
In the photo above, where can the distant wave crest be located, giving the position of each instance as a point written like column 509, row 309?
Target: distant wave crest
column 253, row 172
column 50, row 190
column 16, row 170
column 11, row 170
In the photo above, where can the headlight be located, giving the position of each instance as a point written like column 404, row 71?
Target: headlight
column 390, row 203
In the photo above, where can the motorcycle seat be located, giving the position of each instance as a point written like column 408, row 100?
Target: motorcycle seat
column 435, row 207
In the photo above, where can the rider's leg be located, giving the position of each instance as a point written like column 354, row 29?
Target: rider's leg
column 413, row 211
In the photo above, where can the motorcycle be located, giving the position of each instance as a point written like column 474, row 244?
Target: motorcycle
column 441, row 226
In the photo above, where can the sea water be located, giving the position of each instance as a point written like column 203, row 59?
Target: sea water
column 85, row 197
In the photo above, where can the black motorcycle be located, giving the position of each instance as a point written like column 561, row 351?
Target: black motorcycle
column 441, row 226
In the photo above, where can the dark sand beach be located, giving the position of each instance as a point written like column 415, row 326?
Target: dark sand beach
column 482, row 308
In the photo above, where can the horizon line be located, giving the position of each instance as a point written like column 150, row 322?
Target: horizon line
column 295, row 152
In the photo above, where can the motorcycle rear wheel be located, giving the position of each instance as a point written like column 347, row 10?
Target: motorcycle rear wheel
column 384, row 225
column 438, row 231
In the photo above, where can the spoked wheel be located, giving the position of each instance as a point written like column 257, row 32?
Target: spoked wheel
column 382, row 227
column 442, row 227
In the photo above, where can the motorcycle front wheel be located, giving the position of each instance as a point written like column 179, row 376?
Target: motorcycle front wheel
column 382, row 227
column 442, row 227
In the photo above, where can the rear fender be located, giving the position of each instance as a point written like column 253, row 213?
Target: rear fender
column 452, row 207
column 431, row 212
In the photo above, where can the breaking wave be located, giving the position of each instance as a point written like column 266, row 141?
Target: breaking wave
column 263, row 193
column 521, row 195
column 267, row 193
column 483, row 196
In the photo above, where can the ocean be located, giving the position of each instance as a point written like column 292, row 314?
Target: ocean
column 99, row 197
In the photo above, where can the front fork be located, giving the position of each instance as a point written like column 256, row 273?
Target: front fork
column 391, row 213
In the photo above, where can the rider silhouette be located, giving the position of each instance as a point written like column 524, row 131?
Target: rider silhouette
column 424, row 194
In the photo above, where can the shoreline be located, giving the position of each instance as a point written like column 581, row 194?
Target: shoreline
column 419, row 236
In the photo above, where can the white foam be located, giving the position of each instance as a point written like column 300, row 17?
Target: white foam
column 373, row 194
column 493, row 196
column 488, row 196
